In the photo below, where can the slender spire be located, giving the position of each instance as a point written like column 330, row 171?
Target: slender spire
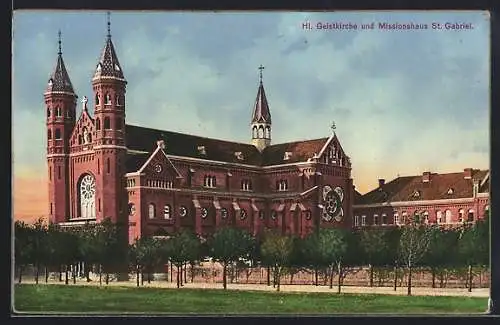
column 59, row 80
column 108, row 66
column 261, row 113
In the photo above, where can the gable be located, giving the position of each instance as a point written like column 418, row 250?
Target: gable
column 159, row 166
column 333, row 153
column 84, row 131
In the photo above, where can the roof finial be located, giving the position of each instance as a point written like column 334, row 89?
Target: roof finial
column 333, row 127
column 261, row 68
column 59, row 41
column 109, row 24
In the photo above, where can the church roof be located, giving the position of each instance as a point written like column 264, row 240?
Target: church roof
column 439, row 186
column 59, row 80
column 108, row 65
column 141, row 139
column 261, row 112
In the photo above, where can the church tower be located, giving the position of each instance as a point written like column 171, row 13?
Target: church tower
column 109, row 87
column 261, row 119
column 60, row 101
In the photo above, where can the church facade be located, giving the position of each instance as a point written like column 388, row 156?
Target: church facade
column 159, row 182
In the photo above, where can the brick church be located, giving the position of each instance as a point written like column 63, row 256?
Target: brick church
column 100, row 166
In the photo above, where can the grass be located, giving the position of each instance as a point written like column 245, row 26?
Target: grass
column 85, row 299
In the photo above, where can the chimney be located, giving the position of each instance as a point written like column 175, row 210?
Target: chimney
column 161, row 144
column 426, row 177
column 468, row 173
column 381, row 182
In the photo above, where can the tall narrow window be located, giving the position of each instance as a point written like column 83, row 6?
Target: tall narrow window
column 58, row 172
column 151, row 211
column 166, row 212
column 49, row 134
column 50, row 173
column 117, row 100
column 99, row 205
column 58, row 134
column 356, row 221
column 107, row 100
column 384, row 219
column 108, row 166
column 51, row 208
column 97, row 99
column 375, row 219
column 107, row 124
column 98, row 166
column 58, row 112
column 363, row 220
column 98, row 124
column 48, row 111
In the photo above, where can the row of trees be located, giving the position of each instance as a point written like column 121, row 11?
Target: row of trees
column 331, row 251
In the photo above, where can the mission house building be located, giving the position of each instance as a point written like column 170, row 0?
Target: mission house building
column 159, row 182
column 100, row 166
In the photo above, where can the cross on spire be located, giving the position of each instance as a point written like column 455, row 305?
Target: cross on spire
column 59, row 42
column 261, row 67
column 109, row 24
column 333, row 127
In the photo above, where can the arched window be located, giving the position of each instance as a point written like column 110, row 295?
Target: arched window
column 107, row 99
column 254, row 132
column 98, row 124
column 117, row 100
column 107, row 124
column 448, row 216
column 384, row 218
column 57, row 135
column 268, row 132
column 49, row 134
column 118, row 122
column 151, row 211
column 396, row 219
column 58, row 111
column 166, row 212
column 86, row 196
column 403, row 218
column 97, row 99
column 108, row 166
column 461, row 215
column 48, row 111
column 470, row 216
column 439, row 217
column 426, row 217
column 261, row 132
column 214, row 181
column 131, row 209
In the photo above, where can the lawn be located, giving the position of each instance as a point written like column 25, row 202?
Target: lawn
column 81, row 299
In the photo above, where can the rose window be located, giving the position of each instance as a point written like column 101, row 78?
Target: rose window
column 87, row 197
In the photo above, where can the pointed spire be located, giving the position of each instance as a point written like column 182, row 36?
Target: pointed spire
column 59, row 80
column 108, row 66
column 261, row 113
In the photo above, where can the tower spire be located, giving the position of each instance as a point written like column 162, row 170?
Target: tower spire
column 108, row 14
column 261, row 67
column 59, row 42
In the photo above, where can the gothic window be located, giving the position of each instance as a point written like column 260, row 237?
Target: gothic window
column 151, row 211
column 261, row 132
column 268, row 132
column 97, row 99
column 48, row 111
column 57, row 135
column 87, row 196
column 470, row 216
column 461, row 215
column 49, row 134
column 439, row 217
column 117, row 100
column 396, row 219
column 375, row 219
column 107, row 124
column 166, row 212
column 118, row 123
column 448, row 216
column 363, row 220
column 58, row 111
column 246, row 185
column 254, row 132
column 209, row 181
column 107, row 99
column 356, row 221
column 282, row 185
column 384, row 218
column 98, row 124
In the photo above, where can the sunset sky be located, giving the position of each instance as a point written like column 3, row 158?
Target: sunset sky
column 404, row 102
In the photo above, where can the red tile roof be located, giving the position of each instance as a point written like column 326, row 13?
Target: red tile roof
column 412, row 188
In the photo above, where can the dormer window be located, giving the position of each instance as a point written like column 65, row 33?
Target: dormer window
column 209, row 181
column 450, row 191
column 246, row 185
column 287, row 155
column 282, row 185
column 238, row 155
column 107, row 100
column 416, row 194
column 51, row 82
column 202, row 150
column 99, row 67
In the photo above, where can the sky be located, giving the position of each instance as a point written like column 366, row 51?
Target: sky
column 403, row 101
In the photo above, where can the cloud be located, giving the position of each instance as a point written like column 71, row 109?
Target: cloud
column 403, row 102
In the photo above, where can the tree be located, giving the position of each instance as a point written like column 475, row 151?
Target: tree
column 146, row 255
column 375, row 248
column 276, row 250
column 37, row 236
column 228, row 245
column 184, row 247
column 473, row 246
column 23, row 248
column 413, row 245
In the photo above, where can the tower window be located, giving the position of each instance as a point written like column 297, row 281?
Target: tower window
column 58, row 112
column 108, row 166
column 49, row 134
column 268, row 132
column 99, row 204
column 261, row 132
column 51, row 208
column 209, row 181
column 254, row 132
column 58, row 134
column 58, row 172
column 50, row 173
column 282, row 185
column 117, row 100
column 107, row 124
column 68, row 114
column 151, row 211
column 107, row 100
column 97, row 99
column 118, row 123
column 98, row 124
column 98, row 166
column 48, row 111
column 246, row 185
